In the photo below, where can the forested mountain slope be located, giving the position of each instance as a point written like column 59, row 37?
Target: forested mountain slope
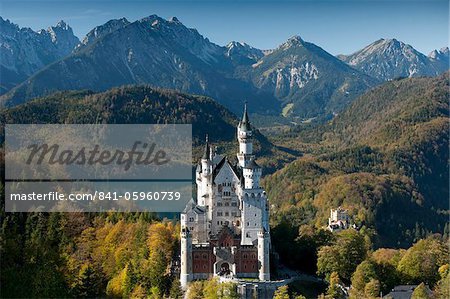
column 385, row 159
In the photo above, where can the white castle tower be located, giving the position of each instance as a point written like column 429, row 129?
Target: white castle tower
column 244, row 135
column 186, row 258
column 263, row 255
column 226, row 231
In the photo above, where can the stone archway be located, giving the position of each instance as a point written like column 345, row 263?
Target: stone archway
column 225, row 269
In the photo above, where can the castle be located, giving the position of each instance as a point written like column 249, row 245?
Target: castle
column 339, row 220
column 226, row 233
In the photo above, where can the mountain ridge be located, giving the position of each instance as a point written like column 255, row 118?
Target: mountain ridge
column 24, row 51
column 295, row 64
column 150, row 50
column 297, row 78
column 387, row 59
column 165, row 53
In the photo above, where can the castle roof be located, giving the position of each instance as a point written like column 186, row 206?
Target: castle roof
column 244, row 124
column 192, row 206
column 206, row 151
column 252, row 165
column 217, row 159
column 236, row 170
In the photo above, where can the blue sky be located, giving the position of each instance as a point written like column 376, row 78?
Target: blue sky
column 337, row 26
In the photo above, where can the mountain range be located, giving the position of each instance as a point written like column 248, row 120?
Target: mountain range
column 388, row 59
column 24, row 51
column 297, row 79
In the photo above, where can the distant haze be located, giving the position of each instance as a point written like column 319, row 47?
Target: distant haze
column 338, row 26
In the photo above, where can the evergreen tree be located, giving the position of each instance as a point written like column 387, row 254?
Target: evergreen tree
column 158, row 266
column 86, row 284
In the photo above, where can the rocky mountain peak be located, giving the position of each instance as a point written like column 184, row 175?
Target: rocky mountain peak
column 293, row 41
column 240, row 50
column 63, row 25
column 25, row 51
column 63, row 38
column 387, row 59
column 102, row 30
column 174, row 20
column 190, row 39
column 441, row 54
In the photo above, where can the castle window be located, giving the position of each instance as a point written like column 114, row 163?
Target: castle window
column 219, row 204
column 238, row 223
column 227, row 204
column 248, row 223
column 227, row 214
column 191, row 219
column 204, row 256
column 219, row 213
column 234, row 204
column 245, row 256
column 233, row 214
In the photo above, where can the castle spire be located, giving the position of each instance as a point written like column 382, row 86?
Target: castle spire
column 244, row 136
column 206, row 152
column 245, row 122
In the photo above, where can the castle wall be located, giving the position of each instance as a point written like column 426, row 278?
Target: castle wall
column 253, row 207
column 247, row 262
column 202, row 260
column 225, row 205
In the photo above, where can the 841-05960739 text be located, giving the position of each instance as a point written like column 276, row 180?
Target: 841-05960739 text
column 98, row 195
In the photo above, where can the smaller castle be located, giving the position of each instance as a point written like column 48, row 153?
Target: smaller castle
column 339, row 220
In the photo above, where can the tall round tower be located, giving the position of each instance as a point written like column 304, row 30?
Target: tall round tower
column 244, row 136
column 204, row 175
column 252, row 175
column 186, row 258
column 263, row 255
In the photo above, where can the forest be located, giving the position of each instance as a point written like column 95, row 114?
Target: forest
column 384, row 160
